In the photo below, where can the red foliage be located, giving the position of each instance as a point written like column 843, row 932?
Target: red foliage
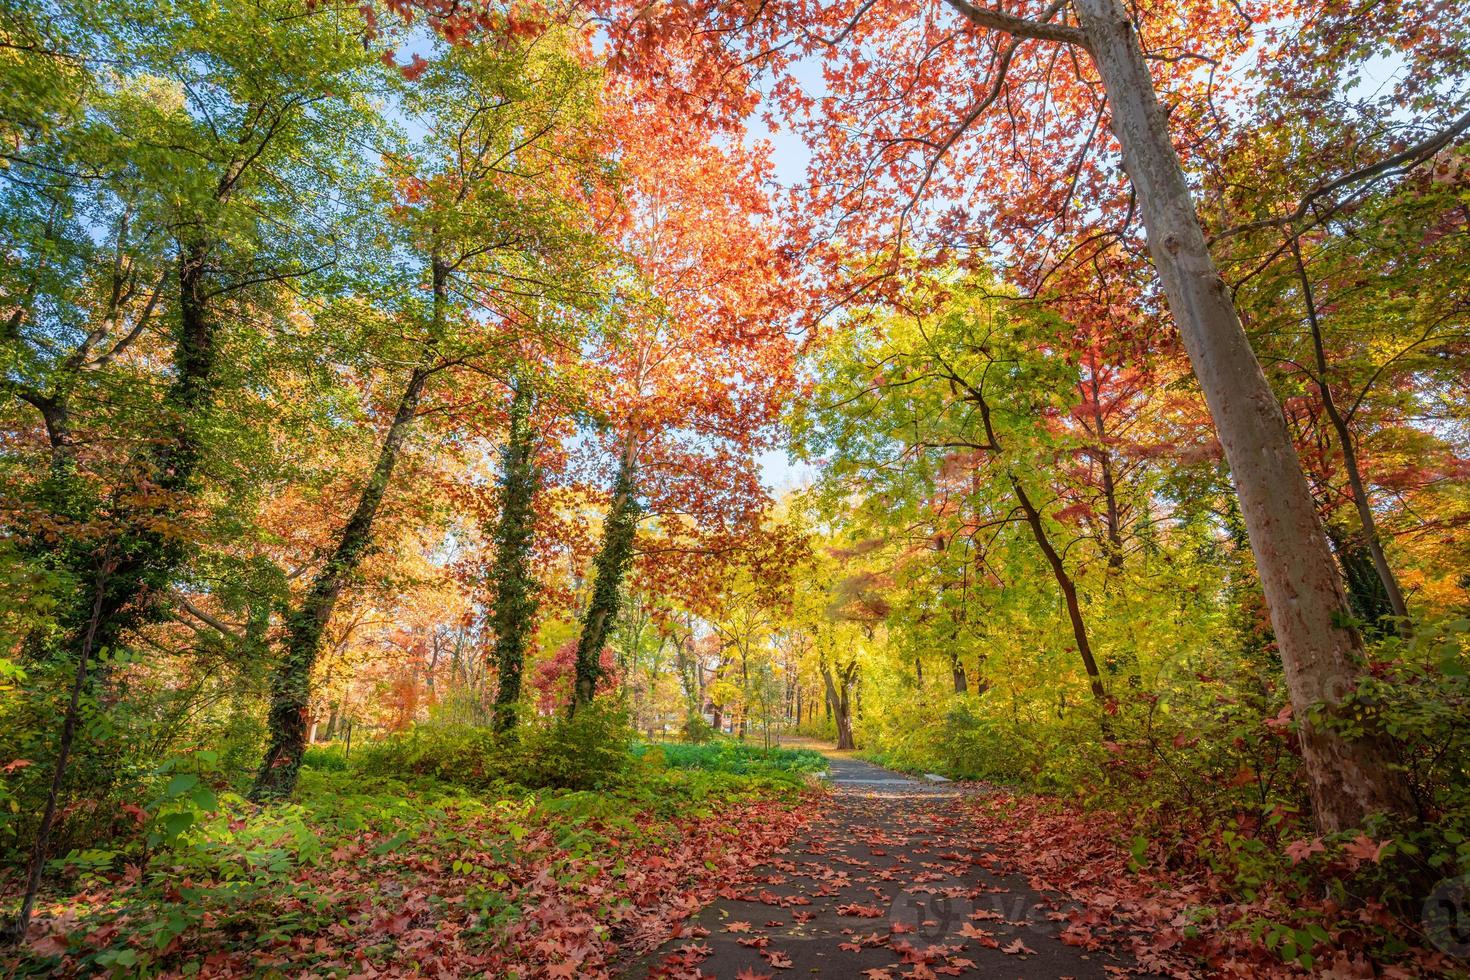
column 554, row 677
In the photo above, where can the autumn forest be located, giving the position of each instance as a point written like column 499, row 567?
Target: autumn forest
column 856, row 488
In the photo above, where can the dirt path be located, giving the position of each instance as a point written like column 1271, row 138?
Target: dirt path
column 884, row 884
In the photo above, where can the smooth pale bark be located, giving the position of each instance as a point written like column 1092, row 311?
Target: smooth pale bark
column 1371, row 538
column 1348, row 778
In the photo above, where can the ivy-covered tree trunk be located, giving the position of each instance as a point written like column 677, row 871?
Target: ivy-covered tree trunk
column 515, row 601
column 611, row 564
column 305, row 624
column 291, row 683
column 136, row 565
column 145, row 556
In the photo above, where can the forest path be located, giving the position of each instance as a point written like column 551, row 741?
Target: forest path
column 884, row 883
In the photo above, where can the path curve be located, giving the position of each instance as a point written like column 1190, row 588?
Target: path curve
column 884, row 883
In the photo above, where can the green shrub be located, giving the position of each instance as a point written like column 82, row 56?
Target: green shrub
column 591, row 750
column 697, row 731
column 326, row 758
column 737, row 758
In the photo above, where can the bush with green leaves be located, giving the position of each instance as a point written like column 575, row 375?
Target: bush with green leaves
column 738, row 758
column 590, row 750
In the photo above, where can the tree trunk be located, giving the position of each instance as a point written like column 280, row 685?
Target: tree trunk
column 837, row 700
column 291, row 683
column 42, row 843
column 613, row 558
column 515, row 598
column 957, row 669
column 1349, row 777
column 1069, row 593
column 1371, row 539
column 146, row 559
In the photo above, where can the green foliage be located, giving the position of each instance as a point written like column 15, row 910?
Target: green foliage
column 697, row 730
column 731, row 756
column 326, row 758
column 590, row 750
column 230, row 875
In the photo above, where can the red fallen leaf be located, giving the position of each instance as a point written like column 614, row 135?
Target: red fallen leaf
column 878, row 973
column 1243, row 777
column 1017, row 948
column 1075, row 935
column 863, row 911
column 898, row 928
column 759, row 942
column 737, row 926
column 1367, row 849
column 52, row 944
column 562, row 971
column 396, row 924
column 777, row 958
column 971, row 932
column 749, row 974
column 851, row 947
column 1300, row 850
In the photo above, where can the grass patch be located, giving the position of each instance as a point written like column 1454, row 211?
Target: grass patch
column 738, row 758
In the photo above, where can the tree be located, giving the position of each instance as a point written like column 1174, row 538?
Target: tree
column 889, row 141
column 479, row 215
column 515, row 600
column 188, row 152
column 693, row 378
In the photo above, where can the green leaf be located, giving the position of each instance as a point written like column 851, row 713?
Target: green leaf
column 181, row 784
column 175, row 824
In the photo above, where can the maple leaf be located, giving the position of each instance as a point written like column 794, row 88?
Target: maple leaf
column 415, row 69
column 777, row 958
column 862, row 911
column 750, row 974
column 1364, row 848
column 1300, row 850
column 1017, row 948
column 737, row 926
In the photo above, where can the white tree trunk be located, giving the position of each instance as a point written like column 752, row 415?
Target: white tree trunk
column 1348, row 778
